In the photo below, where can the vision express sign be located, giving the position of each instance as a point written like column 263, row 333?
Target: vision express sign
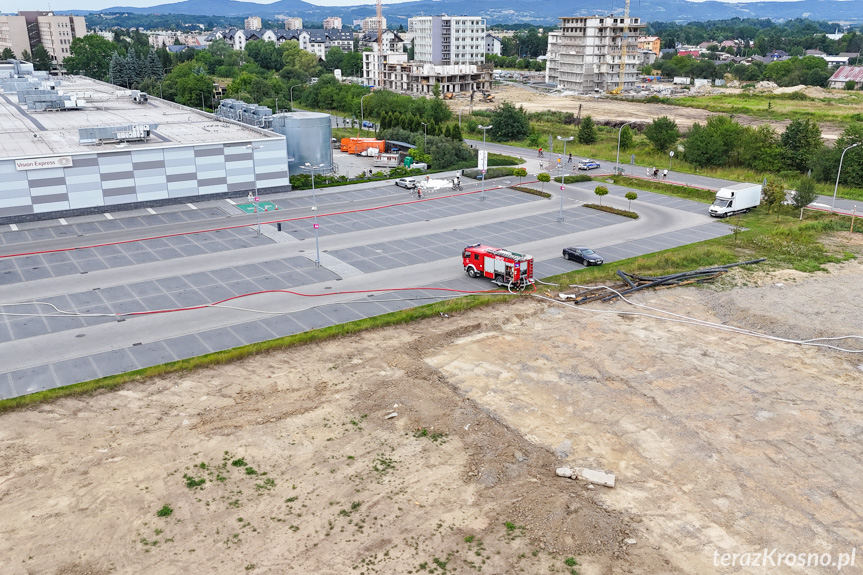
column 43, row 163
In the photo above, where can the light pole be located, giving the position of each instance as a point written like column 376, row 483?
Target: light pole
column 483, row 165
column 836, row 188
column 425, row 136
column 202, row 101
column 291, row 92
column 560, row 218
column 255, row 178
column 311, row 168
column 277, row 104
column 459, row 115
column 617, row 161
column 362, row 112
column 565, row 140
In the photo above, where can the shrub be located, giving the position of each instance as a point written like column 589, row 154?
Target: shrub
column 498, row 172
column 610, row 210
column 530, row 191
column 574, row 179
column 600, row 191
column 165, row 511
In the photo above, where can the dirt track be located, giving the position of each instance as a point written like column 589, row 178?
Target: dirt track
column 720, row 443
column 607, row 109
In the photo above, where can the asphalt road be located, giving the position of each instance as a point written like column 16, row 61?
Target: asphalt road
column 67, row 288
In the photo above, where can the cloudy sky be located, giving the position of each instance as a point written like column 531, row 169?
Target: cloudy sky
column 12, row 6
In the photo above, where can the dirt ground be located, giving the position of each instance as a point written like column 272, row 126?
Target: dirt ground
column 608, row 109
column 287, row 462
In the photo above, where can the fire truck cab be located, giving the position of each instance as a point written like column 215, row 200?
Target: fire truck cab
column 504, row 267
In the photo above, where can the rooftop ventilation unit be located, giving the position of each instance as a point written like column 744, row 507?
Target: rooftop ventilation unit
column 108, row 134
column 251, row 114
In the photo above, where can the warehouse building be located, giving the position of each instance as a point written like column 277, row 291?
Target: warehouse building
column 74, row 145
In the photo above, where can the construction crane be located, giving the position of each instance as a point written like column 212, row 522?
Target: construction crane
column 381, row 43
column 623, row 46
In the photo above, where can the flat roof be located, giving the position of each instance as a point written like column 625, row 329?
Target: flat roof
column 26, row 133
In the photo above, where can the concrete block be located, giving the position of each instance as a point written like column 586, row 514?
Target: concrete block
column 598, row 477
column 564, row 472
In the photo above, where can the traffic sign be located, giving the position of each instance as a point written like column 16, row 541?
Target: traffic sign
column 561, row 188
column 257, row 199
column 316, row 226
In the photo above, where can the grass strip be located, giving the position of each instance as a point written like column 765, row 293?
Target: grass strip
column 610, row 210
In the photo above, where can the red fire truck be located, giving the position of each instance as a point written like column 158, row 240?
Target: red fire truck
column 503, row 266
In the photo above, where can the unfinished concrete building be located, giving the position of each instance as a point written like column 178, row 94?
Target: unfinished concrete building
column 585, row 53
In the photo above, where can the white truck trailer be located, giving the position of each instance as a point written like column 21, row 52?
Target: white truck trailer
column 735, row 199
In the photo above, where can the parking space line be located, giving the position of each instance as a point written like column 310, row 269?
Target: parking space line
column 194, row 208
column 230, row 201
column 63, row 222
column 13, row 227
column 152, row 211
column 109, row 216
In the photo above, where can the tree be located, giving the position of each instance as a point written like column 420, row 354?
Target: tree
column 520, row 172
column 153, row 67
column 456, row 133
column 631, row 196
column 134, row 69
column 713, row 144
column 662, row 133
column 773, row 195
column 626, row 140
column 805, row 193
column 8, row 54
column 91, row 56
column 436, row 90
column 543, row 177
column 600, row 191
column 25, row 56
column 509, row 123
column 801, row 140
column 117, row 70
column 587, row 132
column 41, row 58
column 760, row 149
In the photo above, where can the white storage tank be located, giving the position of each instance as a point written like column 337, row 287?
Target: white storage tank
column 308, row 138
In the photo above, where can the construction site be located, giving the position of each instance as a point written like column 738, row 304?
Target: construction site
column 436, row 446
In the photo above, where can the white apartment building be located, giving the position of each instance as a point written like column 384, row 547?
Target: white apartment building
column 294, row 23
column 371, row 23
column 585, row 53
column 30, row 28
column 446, row 40
column 493, row 44
column 317, row 42
column 332, row 23
column 253, row 23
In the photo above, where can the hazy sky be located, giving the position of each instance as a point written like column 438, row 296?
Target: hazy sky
column 12, row 6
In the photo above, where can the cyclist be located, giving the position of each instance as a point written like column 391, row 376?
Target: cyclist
column 540, row 153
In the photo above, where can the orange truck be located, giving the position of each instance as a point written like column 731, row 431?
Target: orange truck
column 357, row 146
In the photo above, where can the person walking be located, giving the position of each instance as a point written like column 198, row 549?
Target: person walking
column 569, row 161
column 664, row 173
column 655, row 172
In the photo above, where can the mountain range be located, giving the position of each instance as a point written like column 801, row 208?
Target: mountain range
column 509, row 11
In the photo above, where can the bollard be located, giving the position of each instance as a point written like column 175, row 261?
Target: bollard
column 279, row 226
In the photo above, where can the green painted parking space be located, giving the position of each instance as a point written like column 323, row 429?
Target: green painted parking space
column 262, row 206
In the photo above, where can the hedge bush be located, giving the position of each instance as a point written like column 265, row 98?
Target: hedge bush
column 498, row 172
column 610, row 210
column 574, row 179
column 530, row 191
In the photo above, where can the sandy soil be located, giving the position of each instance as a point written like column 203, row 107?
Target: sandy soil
column 611, row 110
column 719, row 442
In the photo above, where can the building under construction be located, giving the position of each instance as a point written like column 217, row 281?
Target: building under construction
column 586, row 53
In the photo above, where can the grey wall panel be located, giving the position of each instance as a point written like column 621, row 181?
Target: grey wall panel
column 112, row 176
column 151, row 155
column 83, row 171
column 47, row 191
column 8, row 167
column 274, row 176
column 115, row 159
column 124, row 191
column 240, row 186
column 208, row 151
column 115, row 184
column 181, row 177
column 15, row 210
column 182, row 192
column 47, row 182
column 150, row 188
column 150, row 165
column 17, row 191
column 211, row 181
column 85, row 162
column 50, row 199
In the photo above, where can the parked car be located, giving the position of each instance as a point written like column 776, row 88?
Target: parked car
column 408, row 183
column 582, row 255
column 588, row 165
column 367, row 124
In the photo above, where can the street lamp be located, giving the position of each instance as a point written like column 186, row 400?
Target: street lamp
column 425, row 135
column 565, row 140
column 617, row 162
column 291, row 92
column 362, row 112
column 483, row 166
column 277, row 104
column 459, row 115
column 311, row 168
column 560, row 218
column 836, row 188
column 255, row 178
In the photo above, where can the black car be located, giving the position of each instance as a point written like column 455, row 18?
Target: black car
column 582, row 255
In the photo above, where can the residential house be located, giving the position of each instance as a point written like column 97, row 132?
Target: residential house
column 652, row 43
column 847, row 74
column 493, row 44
